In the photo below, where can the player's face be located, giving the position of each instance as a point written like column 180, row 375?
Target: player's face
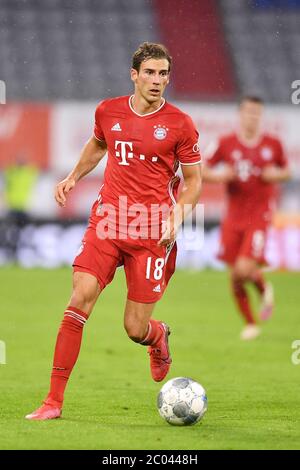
column 152, row 79
column 251, row 116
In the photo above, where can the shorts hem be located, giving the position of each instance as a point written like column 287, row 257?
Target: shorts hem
column 143, row 301
column 226, row 260
column 230, row 261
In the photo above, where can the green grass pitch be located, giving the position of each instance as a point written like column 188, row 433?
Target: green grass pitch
column 110, row 403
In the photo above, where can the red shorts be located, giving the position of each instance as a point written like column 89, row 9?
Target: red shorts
column 237, row 242
column 148, row 267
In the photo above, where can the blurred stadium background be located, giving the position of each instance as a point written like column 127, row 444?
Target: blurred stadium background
column 59, row 58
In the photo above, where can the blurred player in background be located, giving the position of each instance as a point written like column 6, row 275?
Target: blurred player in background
column 146, row 139
column 20, row 179
column 251, row 163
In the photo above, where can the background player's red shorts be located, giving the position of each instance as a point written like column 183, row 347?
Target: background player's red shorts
column 148, row 267
column 236, row 242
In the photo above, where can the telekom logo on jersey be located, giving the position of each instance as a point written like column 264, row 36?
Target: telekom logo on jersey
column 124, row 150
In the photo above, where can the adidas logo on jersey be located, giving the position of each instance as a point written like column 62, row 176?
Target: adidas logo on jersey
column 157, row 288
column 116, row 127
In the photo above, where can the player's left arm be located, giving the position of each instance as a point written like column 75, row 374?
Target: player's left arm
column 188, row 154
column 279, row 171
column 275, row 174
column 186, row 202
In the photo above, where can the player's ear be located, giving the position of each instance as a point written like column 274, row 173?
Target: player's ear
column 133, row 74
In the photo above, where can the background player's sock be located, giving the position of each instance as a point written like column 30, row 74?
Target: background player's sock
column 153, row 333
column 242, row 300
column 259, row 282
column 66, row 352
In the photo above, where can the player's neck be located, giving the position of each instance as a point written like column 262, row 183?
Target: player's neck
column 249, row 138
column 141, row 106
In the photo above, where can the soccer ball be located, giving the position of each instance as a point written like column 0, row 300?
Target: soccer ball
column 182, row 401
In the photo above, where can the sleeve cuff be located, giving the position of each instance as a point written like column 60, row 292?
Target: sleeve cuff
column 100, row 140
column 188, row 164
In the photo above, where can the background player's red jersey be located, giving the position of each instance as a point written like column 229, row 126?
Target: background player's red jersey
column 144, row 151
column 250, row 199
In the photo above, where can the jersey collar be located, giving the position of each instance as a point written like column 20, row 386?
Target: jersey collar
column 250, row 145
column 147, row 114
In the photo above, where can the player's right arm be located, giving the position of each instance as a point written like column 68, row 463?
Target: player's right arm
column 91, row 154
column 211, row 171
column 278, row 171
column 214, row 175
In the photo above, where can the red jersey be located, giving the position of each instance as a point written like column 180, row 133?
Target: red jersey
column 250, row 199
column 144, row 151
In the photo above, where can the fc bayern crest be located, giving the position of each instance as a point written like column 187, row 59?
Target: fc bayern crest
column 160, row 132
column 266, row 153
column 236, row 154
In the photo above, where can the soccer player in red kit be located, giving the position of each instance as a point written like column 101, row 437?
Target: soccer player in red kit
column 146, row 139
column 251, row 163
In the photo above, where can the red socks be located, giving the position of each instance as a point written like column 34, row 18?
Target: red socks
column 242, row 300
column 258, row 281
column 66, row 352
column 153, row 333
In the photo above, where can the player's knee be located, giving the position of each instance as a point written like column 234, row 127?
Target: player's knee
column 85, row 287
column 83, row 299
column 241, row 273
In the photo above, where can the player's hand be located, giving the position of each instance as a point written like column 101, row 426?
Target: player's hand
column 228, row 174
column 169, row 232
column 270, row 174
column 62, row 189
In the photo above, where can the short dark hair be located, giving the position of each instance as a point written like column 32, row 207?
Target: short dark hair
column 150, row 50
column 252, row 98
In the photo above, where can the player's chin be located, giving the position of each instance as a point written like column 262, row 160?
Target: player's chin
column 152, row 97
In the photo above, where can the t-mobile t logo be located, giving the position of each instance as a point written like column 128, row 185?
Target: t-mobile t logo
column 121, row 151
